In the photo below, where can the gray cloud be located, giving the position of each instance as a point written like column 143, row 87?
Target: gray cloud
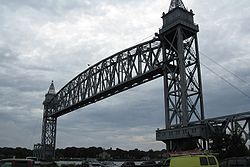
column 55, row 40
column 7, row 55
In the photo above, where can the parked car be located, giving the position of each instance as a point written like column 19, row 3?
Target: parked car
column 148, row 164
column 36, row 161
column 235, row 162
column 128, row 164
column 108, row 164
column 191, row 161
column 91, row 163
column 16, row 163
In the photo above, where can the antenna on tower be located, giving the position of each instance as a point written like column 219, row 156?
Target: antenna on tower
column 176, row 4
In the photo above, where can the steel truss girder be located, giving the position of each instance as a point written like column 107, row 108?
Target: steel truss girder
column 231, row 124
column 209, row 128
column 126, row 69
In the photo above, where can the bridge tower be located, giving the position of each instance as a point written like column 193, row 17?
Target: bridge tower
column 48, row 139
column 182, row 85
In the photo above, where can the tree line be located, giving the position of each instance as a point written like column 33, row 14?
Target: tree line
column 96, row 152
column 225, row 145
column 18, row 152
column 91, row 152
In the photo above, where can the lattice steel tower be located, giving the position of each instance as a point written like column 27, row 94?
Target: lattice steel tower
column 182, row 85
column 46, row 150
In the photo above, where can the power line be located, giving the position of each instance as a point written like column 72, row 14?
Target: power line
column 233, row 74
column 144, row 39
column 232, row 85
column 236, row 76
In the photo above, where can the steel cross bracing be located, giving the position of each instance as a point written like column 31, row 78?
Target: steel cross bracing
column 209, row 128
column 126, row 69
column 230, row 124
column 192, row 87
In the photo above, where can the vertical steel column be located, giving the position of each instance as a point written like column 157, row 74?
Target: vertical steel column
column 248, row 122
column 166, row 93
column 199, row 77
column 183, row 82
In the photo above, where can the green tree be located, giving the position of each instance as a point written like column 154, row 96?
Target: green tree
column 235, row 146
column 229, row 145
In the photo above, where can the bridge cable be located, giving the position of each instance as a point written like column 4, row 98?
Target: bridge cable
column 222, row 78
column 233, row 74
column 144, row 39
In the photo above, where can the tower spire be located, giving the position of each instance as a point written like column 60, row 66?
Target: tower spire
column 176, row 4
column 52, row 88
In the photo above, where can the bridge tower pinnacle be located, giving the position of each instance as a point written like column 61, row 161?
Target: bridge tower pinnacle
column 52, row 90
column 182, row 85
column 176, row 4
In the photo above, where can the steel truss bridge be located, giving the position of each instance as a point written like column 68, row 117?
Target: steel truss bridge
column 172, row 54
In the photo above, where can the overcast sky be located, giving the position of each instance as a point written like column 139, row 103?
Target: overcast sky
column 49, row 40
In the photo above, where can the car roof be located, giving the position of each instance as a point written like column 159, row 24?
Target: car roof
column 237, row 158
column 14, row 159
column 192, row 155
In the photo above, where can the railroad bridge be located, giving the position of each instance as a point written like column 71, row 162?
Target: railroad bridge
column 173, row 54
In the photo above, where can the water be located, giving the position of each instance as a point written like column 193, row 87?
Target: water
column 60, row 163
column 117, row 163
